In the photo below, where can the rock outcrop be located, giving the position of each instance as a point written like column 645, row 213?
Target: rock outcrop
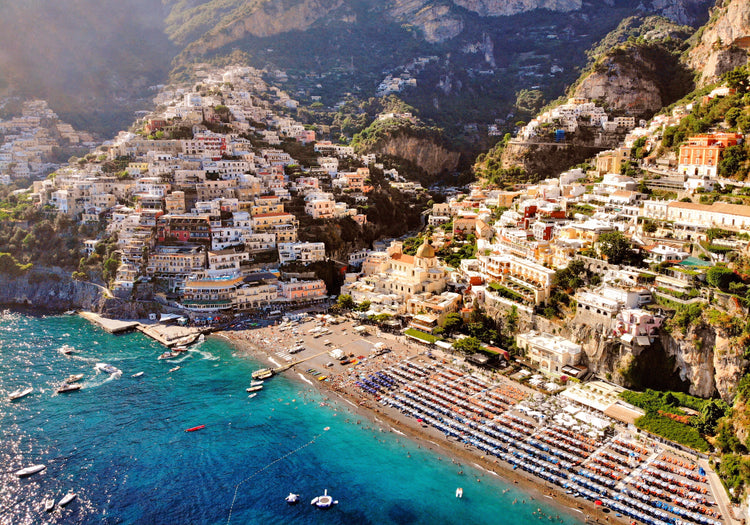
column 52, row 289
column 431, row 157
column 724, row 42
column 631, row 81
column 512, row 7
column 263, row 20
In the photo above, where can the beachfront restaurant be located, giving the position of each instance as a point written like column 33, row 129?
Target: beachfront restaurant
column 549, row 353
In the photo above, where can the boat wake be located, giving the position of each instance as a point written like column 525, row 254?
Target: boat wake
column 208, row 356
column 101, row 378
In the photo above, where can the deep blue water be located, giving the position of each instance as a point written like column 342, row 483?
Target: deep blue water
column 119, row 443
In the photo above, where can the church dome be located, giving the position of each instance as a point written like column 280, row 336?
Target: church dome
column 426, row 250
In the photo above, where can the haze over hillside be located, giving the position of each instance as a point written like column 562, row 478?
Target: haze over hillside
column 94, row 59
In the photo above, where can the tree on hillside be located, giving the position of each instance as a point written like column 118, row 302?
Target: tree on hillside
column 468, row 345
column 721, row 277
column 345, row 301
column 452, row 323
column 616, row 248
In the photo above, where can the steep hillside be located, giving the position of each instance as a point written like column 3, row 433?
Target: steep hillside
column 724, row 43
column 93, row 60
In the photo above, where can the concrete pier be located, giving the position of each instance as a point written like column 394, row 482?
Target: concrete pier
column 113, row 326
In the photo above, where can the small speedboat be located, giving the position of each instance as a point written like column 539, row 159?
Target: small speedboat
column 256, row 383
column 199, row 427
column 459, row 492
column 74, row 378
column 18, row 394
column 66, row 349
column 175, row 369
column 30, row 471
column 49, row 504
column 67, row 387
column 137, row 374
column 292, row 498
column 180, row 349
column 169, row 355
column 252, row 395
column 105, row 367
column 70, row 496
column 324, row 502
column 254, row 388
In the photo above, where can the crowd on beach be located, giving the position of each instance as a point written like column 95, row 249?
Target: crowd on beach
column 503, row 421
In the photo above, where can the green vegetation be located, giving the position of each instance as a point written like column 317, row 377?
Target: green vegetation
column 468, row 345
column 421, row 335
column 672, row 430
column 617, row 249
column 10, row 266
column 665, row 418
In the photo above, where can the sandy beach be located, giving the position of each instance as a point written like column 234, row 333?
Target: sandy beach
column 271, row 343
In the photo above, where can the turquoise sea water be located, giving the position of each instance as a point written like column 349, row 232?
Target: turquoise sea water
column 119, row 443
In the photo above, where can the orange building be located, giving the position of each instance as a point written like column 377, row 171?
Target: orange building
column 701, row 155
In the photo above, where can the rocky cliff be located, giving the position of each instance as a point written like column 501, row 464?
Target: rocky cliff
column 48, row 289
column 547, row 159
column 262, row 19
column 431, row 157
column 625, row 83
column 636, row 79
column 723, row 44
column 703, row 361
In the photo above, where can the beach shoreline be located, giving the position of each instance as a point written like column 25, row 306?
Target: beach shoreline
column 391, row 420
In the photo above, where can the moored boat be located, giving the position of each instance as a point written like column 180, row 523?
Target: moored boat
column 256, row 383
column 324, row 502
column 170, row 354
column 459, row 492
column 70, row 496
column 49, row 504
column 137, row 374
column 67, row 387
column 175, row 369
column 263, row 373
column 74, row 378
column 30, row 471
column 193, row 429
column 252, row 395
column 254, row 388
column 18, row 394
column 292, row 498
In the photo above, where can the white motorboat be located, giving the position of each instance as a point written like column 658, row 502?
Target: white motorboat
column 256, row 383
column 252, row 395
column 30, row 471
column 18, row 394
column 73, row 378
column 105, row 367
column 67, row 387
column 66, row 349
column 292, row 498
column 169, row 355
column 254, row 388
column 137, row 374
column 324, row 502
column 459, row 492
column 49, row 504
column 175, row 369
column 70, row 496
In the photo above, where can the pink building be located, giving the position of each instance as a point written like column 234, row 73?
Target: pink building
column 302, row 290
